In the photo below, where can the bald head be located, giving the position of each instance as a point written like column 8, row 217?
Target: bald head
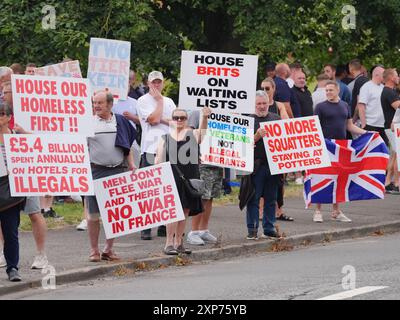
column 282, row 70
column 377, row 75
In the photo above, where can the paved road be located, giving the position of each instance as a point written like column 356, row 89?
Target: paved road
column 311, row 273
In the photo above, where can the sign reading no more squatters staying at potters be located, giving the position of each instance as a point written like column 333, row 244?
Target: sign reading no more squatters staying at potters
column 221, row 81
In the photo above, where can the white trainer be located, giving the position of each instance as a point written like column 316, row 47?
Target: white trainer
column 206, row 236
column 3, row 262
column 318, row 217
column 40, row 262
column 341, row 217
column 82, row 226
column 194, row 238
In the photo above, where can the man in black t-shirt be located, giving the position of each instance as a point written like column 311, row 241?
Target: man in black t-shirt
column 355, row 68
column 265, row 184
column 390, row 101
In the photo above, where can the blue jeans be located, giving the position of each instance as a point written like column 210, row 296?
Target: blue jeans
column 9, row 220
column 266, row 186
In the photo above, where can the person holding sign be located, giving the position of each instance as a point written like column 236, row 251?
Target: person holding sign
column 9, row 210
column 108, row 150
column 181, row 148
column 335, row 117
column 265, row 185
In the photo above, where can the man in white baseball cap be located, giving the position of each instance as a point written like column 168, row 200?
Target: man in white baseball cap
column 155, row 112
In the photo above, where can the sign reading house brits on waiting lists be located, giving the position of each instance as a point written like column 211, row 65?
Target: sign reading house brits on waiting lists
column 42, row 165
column 221, row 81
column 133, row 201
column 295, row 144
column 229, row 142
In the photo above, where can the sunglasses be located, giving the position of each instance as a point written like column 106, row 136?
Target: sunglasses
column 266, row 88
column 2, row 114
column 181, row 118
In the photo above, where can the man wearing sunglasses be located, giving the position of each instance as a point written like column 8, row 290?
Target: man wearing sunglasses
column 155, row 112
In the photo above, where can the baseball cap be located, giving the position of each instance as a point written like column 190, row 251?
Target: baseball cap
column 155, row 75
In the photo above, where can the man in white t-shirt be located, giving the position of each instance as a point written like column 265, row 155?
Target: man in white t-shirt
column 369, row 104
column 155, row 112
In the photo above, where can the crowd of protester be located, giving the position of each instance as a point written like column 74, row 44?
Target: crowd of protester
column 347, row 99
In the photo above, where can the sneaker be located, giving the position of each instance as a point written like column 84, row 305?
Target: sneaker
column 317, row 217
column 51, row 214
column 13, row 275
column 162, row 231
column 395, row 190
column 341, row 217
column 389, row 188
column 82, row 226
column 299, row 181
column 194, row 238
column 3, row 262
column 269, row 235
column 206, row 236
column 145, row 235
column 252, row 236
column 40, row 262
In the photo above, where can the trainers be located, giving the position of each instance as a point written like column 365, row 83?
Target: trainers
column 269, row 235
column 194, row 238
column 340, row 217
column 389, row 188
column 299, row 181
column 395, row 190
column 252, row 236
column 51, row 214
column 13, row 275
column 40, row 262
column 206, row 236
column 82, row 226
column 145, row 235
column 317, row 216
column 3, row 262
column 162, row 231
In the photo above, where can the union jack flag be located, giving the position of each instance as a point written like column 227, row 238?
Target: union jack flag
column 357, row 171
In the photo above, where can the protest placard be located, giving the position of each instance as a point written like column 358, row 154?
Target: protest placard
column 109, row 62
column 133, row 201
column 69, row 69
column 229, row 142
column 295, row 145
column 221, row 81
column 52, row 104
column 42, row 165
column 3, row 169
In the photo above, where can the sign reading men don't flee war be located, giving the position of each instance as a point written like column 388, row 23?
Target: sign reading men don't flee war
column 221, row 81
column 133, row 201
column 63, row 69
column 295, row 144
column 52, row 104
column 108, row 68
column 42, row 165
column 229, row 142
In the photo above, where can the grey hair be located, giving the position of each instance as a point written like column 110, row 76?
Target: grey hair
column 4, row 71
column 179, row 110
column 261, row 93
column 6, row 108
